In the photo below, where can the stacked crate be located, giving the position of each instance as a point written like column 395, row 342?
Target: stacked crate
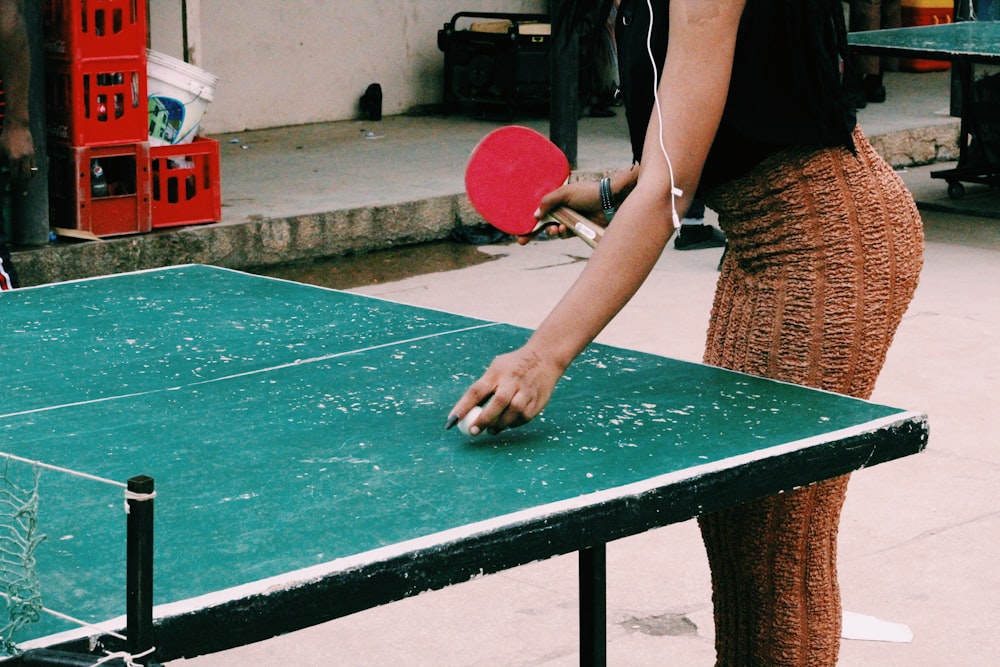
column 96, row 115
column 185, row 181
column 104, row 176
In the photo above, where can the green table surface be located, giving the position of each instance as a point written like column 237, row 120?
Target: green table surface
column 296, row 438
column 971, row 41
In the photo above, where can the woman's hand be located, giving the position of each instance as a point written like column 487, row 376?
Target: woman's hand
column 582, row 196
column 518, row 386
column 17, row 147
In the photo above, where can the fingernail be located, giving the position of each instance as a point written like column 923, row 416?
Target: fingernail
column 451, row 422
column 538, row 213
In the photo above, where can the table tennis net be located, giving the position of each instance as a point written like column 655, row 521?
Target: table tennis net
column 19, row 537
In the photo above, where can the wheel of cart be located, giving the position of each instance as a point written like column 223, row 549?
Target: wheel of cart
column 979, row 136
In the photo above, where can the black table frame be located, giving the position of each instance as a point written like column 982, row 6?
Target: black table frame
column 585, row 529
column 974, row 165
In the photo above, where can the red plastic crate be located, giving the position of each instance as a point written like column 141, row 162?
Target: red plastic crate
column 185, row 183
column 97, row 102
column 126, row 207
column 76, row 30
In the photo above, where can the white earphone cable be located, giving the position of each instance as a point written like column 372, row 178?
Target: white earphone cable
column 674, row 190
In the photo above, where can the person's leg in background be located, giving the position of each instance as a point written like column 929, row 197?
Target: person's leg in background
column 863, row 77
column 598, row 64
column 892, row 17
column 17, row 148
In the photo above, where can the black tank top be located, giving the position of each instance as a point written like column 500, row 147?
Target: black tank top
column 785, row 88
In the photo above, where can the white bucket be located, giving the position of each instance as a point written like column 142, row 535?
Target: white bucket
column 178, row 94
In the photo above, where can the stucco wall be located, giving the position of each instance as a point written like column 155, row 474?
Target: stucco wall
column 307, row 61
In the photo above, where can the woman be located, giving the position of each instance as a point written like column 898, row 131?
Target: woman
column 825, row 248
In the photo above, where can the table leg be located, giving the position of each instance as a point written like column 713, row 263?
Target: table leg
column 966, row 122
column 593, row 607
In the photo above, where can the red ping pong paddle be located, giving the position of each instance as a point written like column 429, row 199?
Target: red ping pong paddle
column 508, row 173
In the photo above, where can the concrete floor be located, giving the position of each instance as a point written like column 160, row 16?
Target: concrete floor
column 293, row 171
column 918, row 535
column 294, row 194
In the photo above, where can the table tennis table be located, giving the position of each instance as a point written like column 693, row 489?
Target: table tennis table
column 964, row 44
column 293, row 437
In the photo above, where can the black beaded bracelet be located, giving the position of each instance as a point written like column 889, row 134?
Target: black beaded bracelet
column 607, row 200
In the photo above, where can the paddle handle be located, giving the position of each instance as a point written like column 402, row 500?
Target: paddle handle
column 582, row 226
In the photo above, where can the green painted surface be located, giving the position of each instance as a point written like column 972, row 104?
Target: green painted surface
column 287, row 425
column 971, row 40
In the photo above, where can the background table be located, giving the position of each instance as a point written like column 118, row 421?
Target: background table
column 302, row 469
column 964, row 44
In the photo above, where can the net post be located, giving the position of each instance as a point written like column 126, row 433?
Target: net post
column 139, row 566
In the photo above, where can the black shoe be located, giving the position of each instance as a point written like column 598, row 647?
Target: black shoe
column 697, row 237
column 874, row 90
column 854, row 91
column 601, row 111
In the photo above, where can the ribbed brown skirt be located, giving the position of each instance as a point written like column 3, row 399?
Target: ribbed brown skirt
column 825, row 249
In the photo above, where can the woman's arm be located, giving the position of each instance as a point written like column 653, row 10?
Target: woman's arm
column 692, row 96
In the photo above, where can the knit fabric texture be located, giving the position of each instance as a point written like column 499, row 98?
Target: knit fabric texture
column 825, row 251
